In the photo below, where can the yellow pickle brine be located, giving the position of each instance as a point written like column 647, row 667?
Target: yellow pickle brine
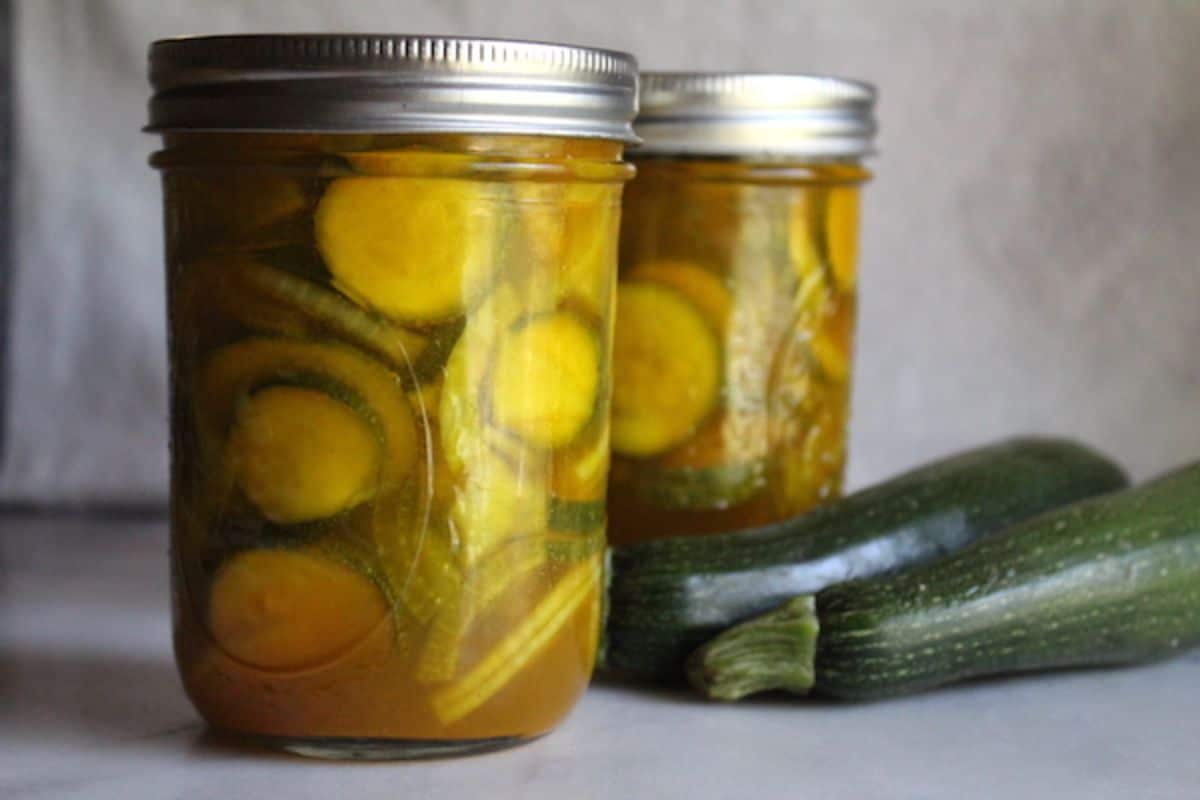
column 391, row 368
column 736, row 302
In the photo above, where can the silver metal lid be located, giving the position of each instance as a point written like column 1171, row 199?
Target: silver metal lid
column 755, row 114
column 341, row 83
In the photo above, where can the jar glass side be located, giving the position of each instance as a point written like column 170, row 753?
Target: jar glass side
column 390, row 364
column 734, row 343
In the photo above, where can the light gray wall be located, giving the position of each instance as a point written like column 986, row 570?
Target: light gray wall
column 1029, row 246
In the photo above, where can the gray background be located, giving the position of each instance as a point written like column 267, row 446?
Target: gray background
column 1029, row 257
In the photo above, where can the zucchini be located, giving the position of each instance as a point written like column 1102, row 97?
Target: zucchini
column 499, row 490
column 235, row 372
column 287, row 610
column 668, row 596
column 1108, row 581
column 264, row 297
column 527, row 640
column 701, row 286
column 301, row 455
column 545, row 382
column 666, row 369
column 417, row 250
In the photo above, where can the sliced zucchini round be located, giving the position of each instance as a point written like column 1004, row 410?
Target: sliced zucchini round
column 234, row 373
column 301, row 455
column 288, row 610
column 703, row 287
column 545, row 380
column 415, row 249
column 666, row 369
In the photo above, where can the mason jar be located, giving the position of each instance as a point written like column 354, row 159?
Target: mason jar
column 736, row 301
column 391, row 266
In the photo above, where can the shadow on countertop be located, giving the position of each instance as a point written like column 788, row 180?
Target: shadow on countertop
column 112, row 698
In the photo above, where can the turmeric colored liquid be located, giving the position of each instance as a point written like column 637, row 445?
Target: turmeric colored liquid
column 733, row 348
column 390, row 380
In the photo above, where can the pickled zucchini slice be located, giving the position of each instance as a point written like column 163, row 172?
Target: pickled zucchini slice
column 323, row 311
column 701, row 286
column 414, row 249
column 545, row 380
column 499, row 486
column 287, row 610
column 666, row 369
column 301, row 455
column 267, row 299
column 234, row 373
column 495, row 502
column 501, row 570
column 522, row 645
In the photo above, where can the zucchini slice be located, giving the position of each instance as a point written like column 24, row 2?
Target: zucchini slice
column 271, row 300
column 301, row 455
column 521, row 646
column 499, row 488
column 233, row 373
column 415, row 249
column 701, row 286
column 287, row 610
column 545, row 380
column 666, row 369
column 450, row 627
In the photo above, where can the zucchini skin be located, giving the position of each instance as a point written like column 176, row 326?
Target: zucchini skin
column 1109, row 581
column 668, row 596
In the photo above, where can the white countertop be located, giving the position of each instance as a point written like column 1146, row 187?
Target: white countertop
column 90, row 706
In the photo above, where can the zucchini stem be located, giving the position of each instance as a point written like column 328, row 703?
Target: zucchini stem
column 775, row 651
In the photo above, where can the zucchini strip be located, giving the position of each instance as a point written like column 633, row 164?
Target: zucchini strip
column 447, row 633
column 271, row 300
column 524, row 643
column 398, row 348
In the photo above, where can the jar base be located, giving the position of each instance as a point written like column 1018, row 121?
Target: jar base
column 380, row 749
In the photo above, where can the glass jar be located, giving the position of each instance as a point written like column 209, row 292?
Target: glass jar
column 736, row 301
column 390, row 271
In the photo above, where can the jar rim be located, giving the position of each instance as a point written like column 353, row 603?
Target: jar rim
column 373, row 83
column 761, row 114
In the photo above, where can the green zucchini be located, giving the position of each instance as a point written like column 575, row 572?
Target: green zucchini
column 670, row 595
column 1107, row 581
